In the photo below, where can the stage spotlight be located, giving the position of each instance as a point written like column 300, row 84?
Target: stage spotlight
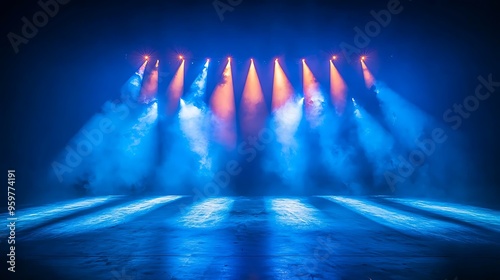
column 229, row 59
column 276, row 60
column 181, row 57
column 146, row 57
column 334, row 57
column 363, row 58
column 157, row 63
column 303, row 60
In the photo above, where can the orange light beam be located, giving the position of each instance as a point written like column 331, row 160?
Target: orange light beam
column 149, row 86
column 253, row 106
column 223, row 106
column 282, row 88
column 175, row 90
column 337, row 89
column 311, row 87
column 367, row 75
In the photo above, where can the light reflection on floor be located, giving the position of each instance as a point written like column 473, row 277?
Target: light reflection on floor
column 106, row 218
column 292, row 212
column 474, row 215
column 32, row 217
column 326, row 237
column 406, row 222
column 208, row 213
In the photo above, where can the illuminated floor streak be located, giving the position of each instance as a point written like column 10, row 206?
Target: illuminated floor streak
column 473, row 215
column 407, row 222
column 294, row 213
column 208, row 213
column 32, row 217
column 106, row 218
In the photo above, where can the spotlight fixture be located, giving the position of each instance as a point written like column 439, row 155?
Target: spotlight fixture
column 363, row 58
column 181, row 57
column 276, row 60
column 303, row 60
column 334, row 57
column 146, row 57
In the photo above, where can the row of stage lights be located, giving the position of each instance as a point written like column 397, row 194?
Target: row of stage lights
column 362, row 58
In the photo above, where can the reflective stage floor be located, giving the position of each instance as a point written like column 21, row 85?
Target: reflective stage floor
column 318, row 237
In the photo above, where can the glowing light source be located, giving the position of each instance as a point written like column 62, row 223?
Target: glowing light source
column 157, row 63
column 334, row 57
column 363, row 58
column 181, row 57
column 276, row 60
column 146, row 57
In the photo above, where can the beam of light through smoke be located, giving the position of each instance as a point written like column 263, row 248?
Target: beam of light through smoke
column 222, row 104
column 367, row 75
column 406, row 121
column 176, row 89
column 282, row 88
column 194, row 119
column 338, row 89
column 150, row 87
column 253, row 112
column 375, row 140
column 132, row 88
column 314, row 99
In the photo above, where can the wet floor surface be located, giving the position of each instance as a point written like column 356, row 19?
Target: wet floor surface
column 328, row 237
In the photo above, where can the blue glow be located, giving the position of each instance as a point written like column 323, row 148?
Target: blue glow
column 407, row 222
column 474, row 215
column 143, row 126
column 194, row 120
column 32, row 217
column 292, row 212
column 105, row 218
column 375, row 141
column 207, row 214
column 406, row 120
